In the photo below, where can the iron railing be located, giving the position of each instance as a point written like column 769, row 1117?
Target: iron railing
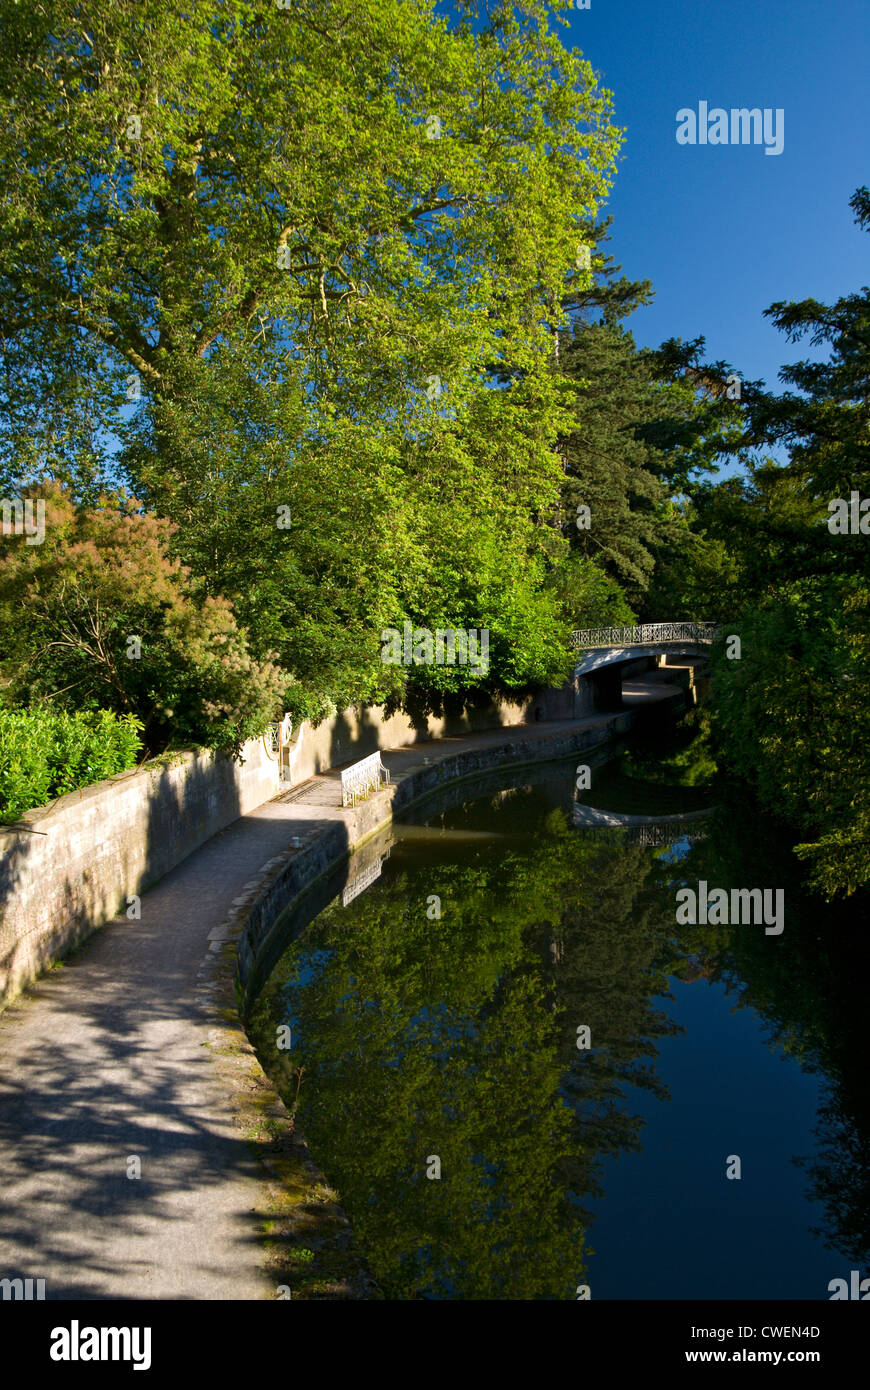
column 362, row 778
column 644, row 634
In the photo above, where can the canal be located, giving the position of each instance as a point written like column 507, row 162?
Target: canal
column 525, row 1079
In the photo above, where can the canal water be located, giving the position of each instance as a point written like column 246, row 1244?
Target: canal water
column 525, row 1079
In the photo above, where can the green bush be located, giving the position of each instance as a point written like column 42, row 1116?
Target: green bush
column 45, row 753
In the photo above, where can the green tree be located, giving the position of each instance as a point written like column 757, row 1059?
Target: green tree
column 100, row 615
column 826, row 427
column 790, row 714
column 647, row 428
column 309, row 237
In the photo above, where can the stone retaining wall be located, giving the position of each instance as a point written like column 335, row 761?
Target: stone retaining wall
column 73, row 865
column 365, row 729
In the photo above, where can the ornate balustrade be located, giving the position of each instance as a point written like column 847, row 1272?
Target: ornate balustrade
column 644, row 634
column 362, row 778
column 363, row 880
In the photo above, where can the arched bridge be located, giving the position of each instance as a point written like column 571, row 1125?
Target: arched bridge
column 604, row 655
column 607, row 646
column 644, row 830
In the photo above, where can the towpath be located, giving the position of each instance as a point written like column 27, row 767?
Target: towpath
column 106, row 1070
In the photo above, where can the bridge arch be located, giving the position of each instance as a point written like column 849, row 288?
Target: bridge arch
column 602, row 652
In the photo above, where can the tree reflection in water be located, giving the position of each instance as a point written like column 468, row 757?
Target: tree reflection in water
column 456, row 1036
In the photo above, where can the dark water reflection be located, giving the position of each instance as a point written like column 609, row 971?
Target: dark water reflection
column 435, row 1020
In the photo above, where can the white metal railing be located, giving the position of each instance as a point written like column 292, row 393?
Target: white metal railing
column 363, row 880
column 643, row 634
column 644, row 830
column 362, row 778
column 657, row 836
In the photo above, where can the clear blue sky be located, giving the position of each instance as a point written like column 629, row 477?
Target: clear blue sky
column 724, row 231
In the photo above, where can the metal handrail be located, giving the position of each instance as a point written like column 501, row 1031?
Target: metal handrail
column 643, row 634
column 362, row 778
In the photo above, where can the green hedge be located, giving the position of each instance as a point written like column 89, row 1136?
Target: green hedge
column 44, row 753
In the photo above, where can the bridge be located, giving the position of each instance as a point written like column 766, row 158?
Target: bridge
column 604, row 646
column 601, row 651
column 649, row 831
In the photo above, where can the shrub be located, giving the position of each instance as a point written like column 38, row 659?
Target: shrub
column 100, row 615
column 45, row 753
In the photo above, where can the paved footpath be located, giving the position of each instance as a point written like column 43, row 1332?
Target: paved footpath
column 107, row 1060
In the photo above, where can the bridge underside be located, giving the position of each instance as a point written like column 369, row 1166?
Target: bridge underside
column 598, row 676
column 597, row 657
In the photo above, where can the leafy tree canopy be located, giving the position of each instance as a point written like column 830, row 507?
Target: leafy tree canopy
column 100, row 616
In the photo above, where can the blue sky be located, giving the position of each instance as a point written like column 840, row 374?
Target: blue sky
column 724, row 231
